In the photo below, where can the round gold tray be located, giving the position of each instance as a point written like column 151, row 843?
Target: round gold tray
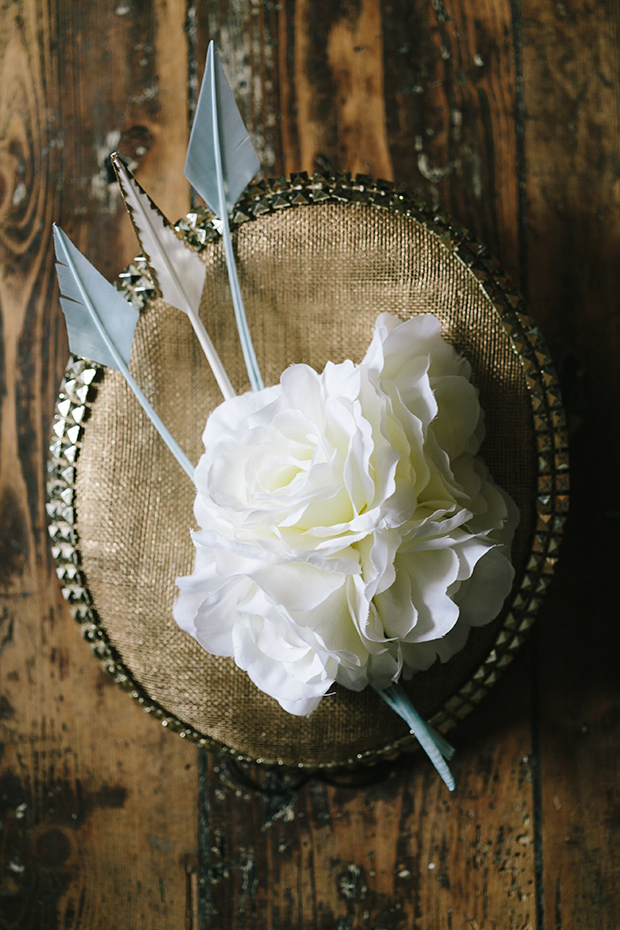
column 318, row 260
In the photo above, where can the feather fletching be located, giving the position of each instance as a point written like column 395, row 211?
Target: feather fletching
column 220, row 163
column 82, row 289
column 238, row 156
column 176, row 271
column 101, row 326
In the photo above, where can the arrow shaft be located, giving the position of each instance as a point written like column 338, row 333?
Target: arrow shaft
column 247, row 346
column 163, row 431
column 433, row 743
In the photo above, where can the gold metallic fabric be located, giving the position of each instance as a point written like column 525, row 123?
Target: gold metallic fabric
column 314, row 278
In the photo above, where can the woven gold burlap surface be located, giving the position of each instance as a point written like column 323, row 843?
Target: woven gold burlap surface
column 314, row 279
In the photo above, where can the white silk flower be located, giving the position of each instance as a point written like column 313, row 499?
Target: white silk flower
column 349, row 532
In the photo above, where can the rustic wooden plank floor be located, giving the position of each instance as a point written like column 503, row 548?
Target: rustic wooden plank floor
column 506, row 114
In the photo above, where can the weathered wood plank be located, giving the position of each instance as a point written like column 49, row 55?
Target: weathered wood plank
column 124, row 85
column 425, row 94
column 572, row 97
column 246, row 36
column 451, row 100
column 98, row 803
column 402, row 853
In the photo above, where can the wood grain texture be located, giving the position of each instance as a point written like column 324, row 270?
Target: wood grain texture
column 402, row 853
column 98, row 803
column 426, row 95
column 504, row 113
column 246, row 35
column 417, row 93
column 572, row 136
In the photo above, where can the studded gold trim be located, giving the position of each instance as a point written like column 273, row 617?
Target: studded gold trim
column 78, row 391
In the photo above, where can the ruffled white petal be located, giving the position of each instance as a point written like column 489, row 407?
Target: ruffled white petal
column 348, row 533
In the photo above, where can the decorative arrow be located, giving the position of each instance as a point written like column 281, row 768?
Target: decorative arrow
column 221, row 161
column 101, row 325
column 176, row 271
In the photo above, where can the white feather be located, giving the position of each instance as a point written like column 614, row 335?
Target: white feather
column 176, row 271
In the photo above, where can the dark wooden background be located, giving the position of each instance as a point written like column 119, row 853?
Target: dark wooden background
column 505, row 113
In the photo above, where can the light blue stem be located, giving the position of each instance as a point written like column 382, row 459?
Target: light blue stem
column 161, row 428
column 433, row 743
column 120, row 363
column 247, row 346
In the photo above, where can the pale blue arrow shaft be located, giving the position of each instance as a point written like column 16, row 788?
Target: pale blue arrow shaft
column 247, row 346
column 159, row 425
column 433, row 743
column 161, row 428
